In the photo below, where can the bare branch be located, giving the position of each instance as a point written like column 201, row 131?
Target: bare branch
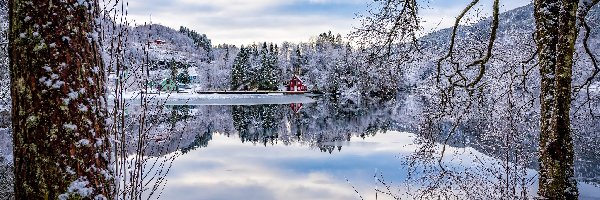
column 584, row 10
column 453, row 38
column 481, row 61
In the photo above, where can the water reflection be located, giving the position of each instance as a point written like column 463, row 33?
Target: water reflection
column 229, row 169
column 280, row 152
column 323, row 150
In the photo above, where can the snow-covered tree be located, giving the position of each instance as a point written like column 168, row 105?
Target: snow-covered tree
column 484, row 76
column 200, row 40
column 239, row 71
column 268, row 72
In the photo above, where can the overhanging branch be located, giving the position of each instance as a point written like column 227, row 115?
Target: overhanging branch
column 479, row 62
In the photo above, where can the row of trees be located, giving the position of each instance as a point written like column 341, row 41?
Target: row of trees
column 200, row 40
column 326, row 64
column 256, row 69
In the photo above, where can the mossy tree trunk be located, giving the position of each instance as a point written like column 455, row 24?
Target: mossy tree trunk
column 556, row 32
column 57, row 89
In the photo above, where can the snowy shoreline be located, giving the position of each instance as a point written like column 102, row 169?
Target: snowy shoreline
column 215, row 99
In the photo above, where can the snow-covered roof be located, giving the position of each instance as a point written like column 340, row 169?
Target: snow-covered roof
column 297, row 77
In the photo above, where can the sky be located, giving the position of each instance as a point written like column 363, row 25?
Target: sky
column 247, row 21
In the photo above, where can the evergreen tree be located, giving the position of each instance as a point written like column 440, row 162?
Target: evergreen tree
column 184, row 76
column 239, row 69
column 268, row 74
column 254, row 67
column 174, row 74
column 200, row 40
column 298, row 61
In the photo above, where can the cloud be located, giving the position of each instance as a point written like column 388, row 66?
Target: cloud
column 228, row 169
column 438, row 14
column 244, row 22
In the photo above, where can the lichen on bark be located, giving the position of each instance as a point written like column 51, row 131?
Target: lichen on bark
column 47, row 155
column 556, row 32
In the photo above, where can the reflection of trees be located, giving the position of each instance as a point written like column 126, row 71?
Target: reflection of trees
column 317, row 125
column 257, row 124
column 511, row 147
column 324, row 125
column 201, row 141
column 179, row 113
column 166, row 129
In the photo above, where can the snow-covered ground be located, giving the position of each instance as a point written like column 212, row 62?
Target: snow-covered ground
column 216, row 99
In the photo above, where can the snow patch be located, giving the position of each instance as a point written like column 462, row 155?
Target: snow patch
column 57, row 84
column 78, row 187
column 48, row 69
column 83, row 108
column 83, row 142
column 73, row 95
column 70, row 126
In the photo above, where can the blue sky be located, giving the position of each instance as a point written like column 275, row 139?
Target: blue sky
column 247, row 21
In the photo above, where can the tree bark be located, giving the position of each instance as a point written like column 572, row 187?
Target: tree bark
column 58, row 105
column 556, row 32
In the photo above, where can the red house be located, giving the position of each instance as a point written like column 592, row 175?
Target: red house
column 296, row 85
column 160, row 41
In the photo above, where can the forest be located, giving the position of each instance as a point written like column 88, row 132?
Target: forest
column 78, row 119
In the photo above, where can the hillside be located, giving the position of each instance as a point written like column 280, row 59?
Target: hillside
column 514, row 38
column 173, row 44
column 486, row 126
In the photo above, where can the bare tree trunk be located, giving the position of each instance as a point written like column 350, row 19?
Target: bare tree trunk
column 58, row 105
column 556, row 33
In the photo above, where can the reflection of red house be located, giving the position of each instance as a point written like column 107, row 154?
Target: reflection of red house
column 159, row 41
column 296, row 107
column 296, row 84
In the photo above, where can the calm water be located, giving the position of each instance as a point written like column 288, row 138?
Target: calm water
column 324, row 149
column 320, row 150
column 229, row 169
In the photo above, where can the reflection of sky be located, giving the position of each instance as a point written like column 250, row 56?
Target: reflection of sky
column 229, row 169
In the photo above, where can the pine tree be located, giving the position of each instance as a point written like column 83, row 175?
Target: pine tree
column 173, row 76
column 239, row 69
column 297, row 62
column 184, row 76
column 268, row 71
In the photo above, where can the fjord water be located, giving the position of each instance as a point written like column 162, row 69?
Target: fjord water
column 321, row 150
column 326, row 149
